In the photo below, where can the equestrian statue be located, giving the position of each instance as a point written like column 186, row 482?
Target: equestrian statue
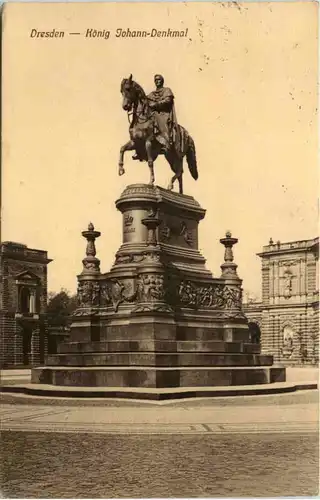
column 154, row 130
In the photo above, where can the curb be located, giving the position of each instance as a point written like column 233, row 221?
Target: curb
column 155, row 394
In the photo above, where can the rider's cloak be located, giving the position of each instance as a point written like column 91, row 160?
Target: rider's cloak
column 165, row 117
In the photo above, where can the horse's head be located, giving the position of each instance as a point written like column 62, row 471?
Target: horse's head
column 131, row 92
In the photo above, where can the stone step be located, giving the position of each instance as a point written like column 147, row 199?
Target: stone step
column 159, row 359
column 130, row 376
column 158, row 331
column 213, row 346
column 156, row 394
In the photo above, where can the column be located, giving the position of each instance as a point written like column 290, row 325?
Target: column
column 302, row 278
column 277, row 282
column 311, row 275
column 265, row 281
column 299, row 268
column 305, row 276
column 271, row 287
column 279, row 336
column 298, row 340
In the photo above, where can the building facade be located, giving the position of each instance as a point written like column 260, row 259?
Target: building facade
column 23, row 303
column 287, row 319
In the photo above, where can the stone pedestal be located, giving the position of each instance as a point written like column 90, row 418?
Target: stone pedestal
column 158, row 318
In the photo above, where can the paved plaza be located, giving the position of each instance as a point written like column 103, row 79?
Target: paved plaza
column 108, row 448
column 194, row 418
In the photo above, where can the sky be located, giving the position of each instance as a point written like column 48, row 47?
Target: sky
column 245, row 88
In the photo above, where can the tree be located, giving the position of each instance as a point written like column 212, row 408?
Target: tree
column 60, row 308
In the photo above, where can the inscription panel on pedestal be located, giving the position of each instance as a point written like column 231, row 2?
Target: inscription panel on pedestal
column 178, row 232
column 132, row 229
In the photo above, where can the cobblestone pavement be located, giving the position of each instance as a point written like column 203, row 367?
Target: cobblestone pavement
column 57, row 465
column 249, row 446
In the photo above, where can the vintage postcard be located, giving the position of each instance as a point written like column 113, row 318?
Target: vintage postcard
column 159, row 254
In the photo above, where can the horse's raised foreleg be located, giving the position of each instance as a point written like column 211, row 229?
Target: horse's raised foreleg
column 129, row 146
column 150, row 160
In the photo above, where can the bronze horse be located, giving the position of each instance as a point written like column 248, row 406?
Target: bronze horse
column 143, row 136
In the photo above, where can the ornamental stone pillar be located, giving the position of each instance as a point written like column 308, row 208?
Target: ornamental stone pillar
column 84, row 324
column 151, row 280
column 88, row 280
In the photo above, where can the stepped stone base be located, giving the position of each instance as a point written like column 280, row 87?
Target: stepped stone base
column 158, row 319
column 212, row 346
column 142, row 376
column 156, row 359
column 155, row 394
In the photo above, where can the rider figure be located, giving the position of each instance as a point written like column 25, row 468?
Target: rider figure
column 161, row 102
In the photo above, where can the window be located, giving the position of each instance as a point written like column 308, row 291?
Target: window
column 24, row 303
column 27, row 300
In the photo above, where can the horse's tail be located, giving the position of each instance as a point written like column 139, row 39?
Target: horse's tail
column 192, row 158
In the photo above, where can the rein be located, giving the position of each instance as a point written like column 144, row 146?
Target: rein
column 138, row 115
column 141, row 118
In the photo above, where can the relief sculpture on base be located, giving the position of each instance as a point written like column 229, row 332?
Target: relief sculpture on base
column 121, row 292
column 150, row 288
column 212, row 296
column 88, row 294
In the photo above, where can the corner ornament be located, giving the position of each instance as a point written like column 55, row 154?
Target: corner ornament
column 91, row 265
column 229, row 268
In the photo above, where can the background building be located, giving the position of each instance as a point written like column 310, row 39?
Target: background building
column 23, row 303
column 287, row 319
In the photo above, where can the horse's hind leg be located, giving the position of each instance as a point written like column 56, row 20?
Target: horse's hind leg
column 150, row 161
column 179, row 174
column 170, row 159
column 177, row 167
column 180, row 183
column 171, row 183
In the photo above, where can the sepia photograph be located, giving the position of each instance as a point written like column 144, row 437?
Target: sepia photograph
column 159, row 264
